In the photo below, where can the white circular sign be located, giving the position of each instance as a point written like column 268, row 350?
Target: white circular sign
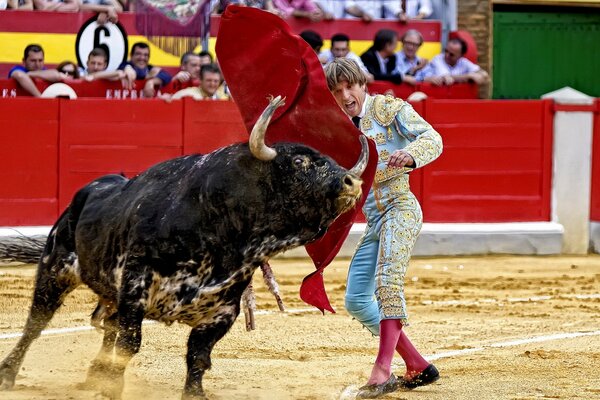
column 110, row 37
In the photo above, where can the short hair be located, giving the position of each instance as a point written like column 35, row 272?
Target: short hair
column 344, row 69
column 35, row 48
column 205, row 53
column 463, row 45
column 312, row 38
column 98, row 52
column 186, row 56
column 140, row 45
column 412, row 32
column 340, row 37
column 214, row 68
column 383, row 37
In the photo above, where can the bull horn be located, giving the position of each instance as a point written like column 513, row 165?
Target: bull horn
column 363, row 159
column 258, row 148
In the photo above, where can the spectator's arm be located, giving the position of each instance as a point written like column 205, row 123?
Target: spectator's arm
column 66, row 5
column 479, row 77
column 425, row 9
column 285, row 9
column 108, row 75
column 25, row 81
column 109, row 11
column 326, row 14
column 358, row 12
column 50, row 75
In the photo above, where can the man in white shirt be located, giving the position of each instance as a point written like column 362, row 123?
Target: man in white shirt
column 340, row 47
column 451, row 67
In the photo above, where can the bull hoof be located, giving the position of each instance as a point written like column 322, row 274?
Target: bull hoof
column 194, row 396
column 102, row 378
column 7, row 378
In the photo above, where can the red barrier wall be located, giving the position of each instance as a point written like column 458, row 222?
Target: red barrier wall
column 595, row 201
column 208, row 128
column 495, row 167
column 496, row 163
column 99, row 137
column 29, row 160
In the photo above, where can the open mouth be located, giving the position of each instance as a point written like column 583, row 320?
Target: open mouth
column 350, row 108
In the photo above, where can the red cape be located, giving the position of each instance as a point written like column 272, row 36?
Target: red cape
column 259, row 57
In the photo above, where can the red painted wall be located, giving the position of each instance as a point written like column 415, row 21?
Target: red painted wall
column 29, row 162
column 496, row 162
column 595, row 201
column 495, row 167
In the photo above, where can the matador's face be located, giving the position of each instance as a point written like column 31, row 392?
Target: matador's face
column 350, row 97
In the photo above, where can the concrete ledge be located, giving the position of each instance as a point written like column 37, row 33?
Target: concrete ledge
column 466, row 239
column 537, row 238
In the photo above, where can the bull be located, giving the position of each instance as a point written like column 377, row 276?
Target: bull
column 180, row 242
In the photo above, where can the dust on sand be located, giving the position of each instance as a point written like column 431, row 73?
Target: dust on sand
column 467, row 313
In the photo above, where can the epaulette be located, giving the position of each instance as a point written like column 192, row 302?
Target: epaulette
column 385, row 109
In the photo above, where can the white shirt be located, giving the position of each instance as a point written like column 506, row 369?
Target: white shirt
column 387, row 9
column 415, row 7
column 438, row 67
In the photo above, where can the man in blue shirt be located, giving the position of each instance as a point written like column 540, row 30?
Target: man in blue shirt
column 139, row 68
column 33, row 67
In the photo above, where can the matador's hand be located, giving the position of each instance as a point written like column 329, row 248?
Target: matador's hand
column 401, row 158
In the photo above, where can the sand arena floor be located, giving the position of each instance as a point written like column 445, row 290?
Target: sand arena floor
column 518, row 328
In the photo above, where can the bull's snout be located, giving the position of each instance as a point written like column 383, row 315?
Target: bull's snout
column 350, row 193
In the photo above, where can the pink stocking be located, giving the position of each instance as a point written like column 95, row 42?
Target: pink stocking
column 415, row 363
column 389, row 333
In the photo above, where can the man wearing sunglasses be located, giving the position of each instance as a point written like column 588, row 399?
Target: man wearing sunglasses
column 452, row 67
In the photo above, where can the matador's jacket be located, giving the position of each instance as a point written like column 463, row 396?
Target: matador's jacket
column 393, row 214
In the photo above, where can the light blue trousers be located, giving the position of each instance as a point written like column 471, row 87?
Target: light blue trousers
column 375, row 286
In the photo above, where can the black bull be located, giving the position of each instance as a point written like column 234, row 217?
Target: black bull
column 180, row 242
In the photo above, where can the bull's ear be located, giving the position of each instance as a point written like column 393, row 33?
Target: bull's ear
column 260, row 57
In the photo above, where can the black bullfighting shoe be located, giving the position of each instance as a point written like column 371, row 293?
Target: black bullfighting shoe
column 375, row 390
column 427, row 376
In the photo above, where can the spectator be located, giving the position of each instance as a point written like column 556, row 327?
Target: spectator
column 96, row 65
column 211, row 86
column 314, row 40
column 107, row 9
column 367, row 10
column 331, row 9
column 139, row 68
column 451, row 67
column 299, row 9
column 340, row 47
column 407, row 61
column 380, row 59
column 57, row 5
column 416, row 9
column 20, row 4
column 33, row 67
column 211, row 81
column 205, row 57
column 190, row 68
column 68, row 68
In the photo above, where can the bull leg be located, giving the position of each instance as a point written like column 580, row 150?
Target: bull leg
column 50, row 290
column 200, row 344
column 130, row 314
column 101, row 365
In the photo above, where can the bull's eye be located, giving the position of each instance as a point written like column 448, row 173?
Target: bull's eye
column 299, row 161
